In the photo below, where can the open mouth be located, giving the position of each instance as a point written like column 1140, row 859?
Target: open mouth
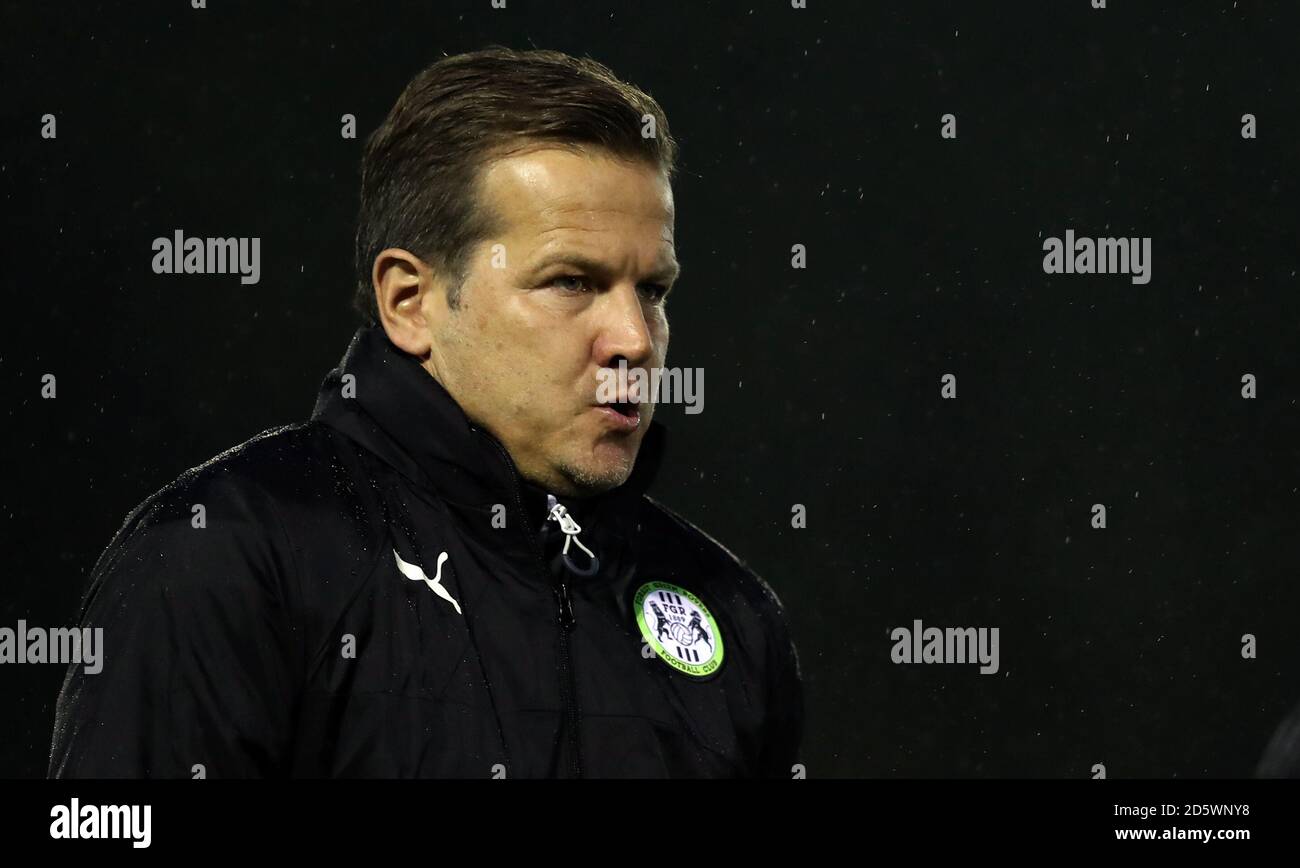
column 625, row 408
column 622, row 415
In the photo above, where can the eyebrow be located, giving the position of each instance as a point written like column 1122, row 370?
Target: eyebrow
column 666, row 272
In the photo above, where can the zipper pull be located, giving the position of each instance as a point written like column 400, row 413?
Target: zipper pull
column 557, row 513
column 567, row 619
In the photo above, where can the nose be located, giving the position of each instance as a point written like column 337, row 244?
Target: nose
column 624, row 332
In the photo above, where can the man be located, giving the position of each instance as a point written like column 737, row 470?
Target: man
column 453, row 570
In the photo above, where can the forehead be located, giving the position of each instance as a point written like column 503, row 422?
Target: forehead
column 547, row 193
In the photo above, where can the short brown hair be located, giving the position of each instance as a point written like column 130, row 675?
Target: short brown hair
column 419, row 169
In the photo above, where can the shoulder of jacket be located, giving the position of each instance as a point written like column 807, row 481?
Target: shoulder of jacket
column 754, row 588
column 294, row 488
column 288, row 509
column 277, row 464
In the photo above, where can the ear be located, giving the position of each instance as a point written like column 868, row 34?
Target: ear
column 407, row 295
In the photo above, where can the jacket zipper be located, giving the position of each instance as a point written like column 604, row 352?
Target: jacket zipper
column 566, row 618
column 568, row 677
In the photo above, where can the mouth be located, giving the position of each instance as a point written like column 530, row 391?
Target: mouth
column 621, row 415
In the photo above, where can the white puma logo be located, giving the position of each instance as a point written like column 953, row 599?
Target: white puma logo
column 415, row 574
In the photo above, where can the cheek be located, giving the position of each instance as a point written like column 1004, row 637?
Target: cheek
column 498, row 339
column 515, row 327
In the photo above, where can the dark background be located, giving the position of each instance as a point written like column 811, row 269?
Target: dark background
column 817, row 126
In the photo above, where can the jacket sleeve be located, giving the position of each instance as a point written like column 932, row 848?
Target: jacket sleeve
column 785, row 697
column 198, row 671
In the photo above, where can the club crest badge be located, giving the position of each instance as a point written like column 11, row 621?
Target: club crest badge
column 679, row 628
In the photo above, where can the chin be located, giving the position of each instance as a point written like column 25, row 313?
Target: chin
column 596, row 477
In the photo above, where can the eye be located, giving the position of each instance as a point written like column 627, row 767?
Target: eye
column 570, row 283
column 654, row 291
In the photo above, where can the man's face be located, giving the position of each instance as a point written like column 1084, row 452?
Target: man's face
column 576, row 284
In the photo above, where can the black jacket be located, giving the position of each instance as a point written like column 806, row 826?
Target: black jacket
column 268, row 614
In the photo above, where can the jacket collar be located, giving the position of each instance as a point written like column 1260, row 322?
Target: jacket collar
column 395, row 409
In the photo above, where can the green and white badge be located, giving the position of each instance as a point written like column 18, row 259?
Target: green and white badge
column 679, row 628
